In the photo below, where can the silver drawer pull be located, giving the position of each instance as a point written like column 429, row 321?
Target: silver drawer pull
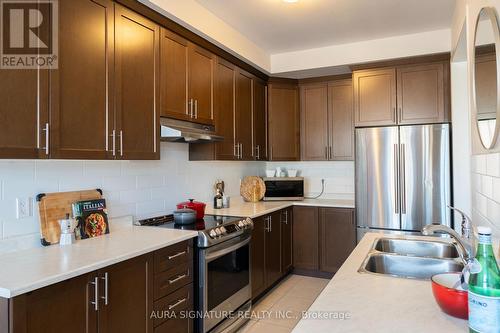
column 179, row 302
column 176, row 255
column 178, row 278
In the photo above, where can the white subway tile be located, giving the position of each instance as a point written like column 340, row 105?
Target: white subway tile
column 79, row 183
column 117, row 210
column 496, row 190
column 134, row 196
column 150, row 207
column 12, row 228
column 120, row 183
column 149, row 181
column 493, row 164
column 101, row 169
column 487, row 186
column 493, row 213
column 58, row 168
column 17, row 169
column 480, row 164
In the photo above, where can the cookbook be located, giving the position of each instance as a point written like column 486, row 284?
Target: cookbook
column 92, row 218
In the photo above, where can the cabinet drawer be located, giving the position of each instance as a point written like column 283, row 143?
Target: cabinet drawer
column 173, row 256
column 171, row 280
column 168, row 308
column 177, row 325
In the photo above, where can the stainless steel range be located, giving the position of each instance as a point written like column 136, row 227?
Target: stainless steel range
column 222, row 274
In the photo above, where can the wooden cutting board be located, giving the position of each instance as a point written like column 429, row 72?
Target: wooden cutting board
column 252, row 188
column 54, row 206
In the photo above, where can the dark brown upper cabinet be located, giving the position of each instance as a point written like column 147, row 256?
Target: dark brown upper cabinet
column 187, row 80
column 24, row 107
column 423, row 93
column 327, row 128
column 244, row 116
column 81, row 91
column 375, row 97
column 409, row 94
column 260, row 119
column 136, row 81
column 283, row 122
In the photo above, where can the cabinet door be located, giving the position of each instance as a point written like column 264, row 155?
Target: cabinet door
column 258, row 245
column 136, row 70
column 59, row 308
column 260, row 119
column 81, row 107
column 201, row 65
column 273, row 248
column 244, row 117
column 375, row 97
column 224, row 110
column 174, row 76
column 23, row 106
column 305, row 238
column 314, row 122
column 337, row 237
column 421, row 94
column 286, row 239
column 284, row 122
column 126, row 296
column 341, row 122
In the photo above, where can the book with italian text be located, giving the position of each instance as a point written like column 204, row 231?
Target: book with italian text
column 92, row 218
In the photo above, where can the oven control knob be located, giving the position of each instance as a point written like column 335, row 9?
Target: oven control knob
column 248, row 221
column 241, row 224
column 212, row 233
column 223, row 230
column 218, row 231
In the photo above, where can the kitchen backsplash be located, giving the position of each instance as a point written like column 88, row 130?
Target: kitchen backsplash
column 142, row 188
column 338, row 176
column 486, row 191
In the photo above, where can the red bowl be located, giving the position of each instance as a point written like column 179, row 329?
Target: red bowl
column 452, row 301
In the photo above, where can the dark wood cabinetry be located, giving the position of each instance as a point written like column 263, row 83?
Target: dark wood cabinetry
column 258, row 245
column 407, row 94
column 201, row 65
column 273, row 248
column 305, row 238
column 136, row 93
column 286, row 240
column 327, row 127
column 283, row 122
column 244, row 116
column 260, row 119
column 118, row 298
column 337, row 238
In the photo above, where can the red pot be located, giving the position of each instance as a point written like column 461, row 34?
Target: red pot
column 452, row 301
column 199, row 207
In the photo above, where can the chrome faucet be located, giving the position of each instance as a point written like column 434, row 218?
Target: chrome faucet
column 465, row 241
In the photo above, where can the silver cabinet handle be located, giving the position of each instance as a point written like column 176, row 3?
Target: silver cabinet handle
column 176, row 304
column 286, row 217
column 113, row 136
column 188, row 108
column 95, row 303
column 47, row 138
column 176, row 255
column 330, row 157
column 257, row 150
column 270, row 223
column 403, row 178
column 178, row 278
column 236, row 150
column 326, row 152
column 266, row 227
column 191, row 108
column 396, row 179
column 121, row 142
column 196, row 109
column 241, row 151
column 105, row 297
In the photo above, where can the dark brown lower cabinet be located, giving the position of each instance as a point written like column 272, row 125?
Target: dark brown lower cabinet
column 323, row 238
column 258, row 248
column 337, row 238
column 273, row 248
column 286, row 239
column 117, row 298
column 305, row 238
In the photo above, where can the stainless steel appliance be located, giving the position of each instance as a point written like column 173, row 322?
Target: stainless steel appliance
column 284, row 188
column 222, row 270
column 402, row 178
column 173, row 130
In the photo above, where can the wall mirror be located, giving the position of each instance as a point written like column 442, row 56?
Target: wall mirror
column 486, row 76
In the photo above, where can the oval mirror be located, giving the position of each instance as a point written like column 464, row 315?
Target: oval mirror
column 486, row 76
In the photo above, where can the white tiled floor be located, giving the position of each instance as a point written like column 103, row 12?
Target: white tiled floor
column 279, row 310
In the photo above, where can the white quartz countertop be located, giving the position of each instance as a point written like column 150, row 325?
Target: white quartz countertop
column 256, row 209
column 377, row 303
column 27, row 270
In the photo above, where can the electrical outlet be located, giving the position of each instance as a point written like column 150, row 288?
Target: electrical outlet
column 23, row 208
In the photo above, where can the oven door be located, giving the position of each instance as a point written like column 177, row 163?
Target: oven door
column 224, row 279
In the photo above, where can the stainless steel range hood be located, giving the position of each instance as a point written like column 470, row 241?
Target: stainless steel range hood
column 173, row 130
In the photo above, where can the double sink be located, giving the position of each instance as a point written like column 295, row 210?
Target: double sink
column 412, row 258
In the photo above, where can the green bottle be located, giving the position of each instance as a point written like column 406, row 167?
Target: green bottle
column 484, row 288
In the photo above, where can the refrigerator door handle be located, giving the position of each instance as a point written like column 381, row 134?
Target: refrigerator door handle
column 396, row 180
column 403, row 178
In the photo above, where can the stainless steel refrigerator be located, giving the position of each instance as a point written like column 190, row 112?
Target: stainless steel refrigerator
column 402, row 178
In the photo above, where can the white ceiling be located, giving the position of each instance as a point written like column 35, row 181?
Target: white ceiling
column 278, row 27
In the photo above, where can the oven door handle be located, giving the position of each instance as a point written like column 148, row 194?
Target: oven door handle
column 219, row 253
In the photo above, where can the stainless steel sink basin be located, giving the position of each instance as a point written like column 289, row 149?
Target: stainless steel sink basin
column 408, row 266
column 417, row 248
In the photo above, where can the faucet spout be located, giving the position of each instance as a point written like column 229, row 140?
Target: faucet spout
column 466, row 247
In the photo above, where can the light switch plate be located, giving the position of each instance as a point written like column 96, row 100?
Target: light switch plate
column 23, row 208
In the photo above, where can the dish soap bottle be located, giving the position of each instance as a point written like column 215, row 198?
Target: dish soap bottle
column 218, row 200
column 484, row 288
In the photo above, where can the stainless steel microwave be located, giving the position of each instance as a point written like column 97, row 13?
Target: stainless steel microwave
column 284, row 188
